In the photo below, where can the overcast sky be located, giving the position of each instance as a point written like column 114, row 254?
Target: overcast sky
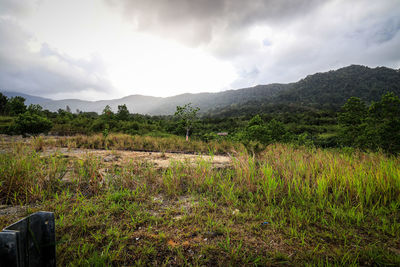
column 103, row 49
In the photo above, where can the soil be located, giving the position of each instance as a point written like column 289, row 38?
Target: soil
column 159, row 159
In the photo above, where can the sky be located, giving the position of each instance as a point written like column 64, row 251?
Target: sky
column 105, row 49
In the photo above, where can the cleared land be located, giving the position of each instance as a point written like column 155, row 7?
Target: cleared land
column 285, row 205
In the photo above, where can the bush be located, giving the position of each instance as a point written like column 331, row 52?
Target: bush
column 28, row 123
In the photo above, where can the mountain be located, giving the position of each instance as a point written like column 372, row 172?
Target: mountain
column 29, row 99
column 333, row 88
column 166, row 105
column 208, row 101
column 135, row 104
column 328, row 90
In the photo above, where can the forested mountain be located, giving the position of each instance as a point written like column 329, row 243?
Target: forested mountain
column 333, row 88
column 328, row 90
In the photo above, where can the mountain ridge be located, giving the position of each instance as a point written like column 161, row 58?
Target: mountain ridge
column 320, row 90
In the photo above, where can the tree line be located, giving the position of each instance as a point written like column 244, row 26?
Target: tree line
column 357, row 124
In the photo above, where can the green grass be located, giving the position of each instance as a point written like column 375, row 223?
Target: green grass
column 286, row 205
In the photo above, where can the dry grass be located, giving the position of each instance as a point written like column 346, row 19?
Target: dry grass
column 146, row 143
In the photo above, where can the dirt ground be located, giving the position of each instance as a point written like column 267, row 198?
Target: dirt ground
column 159, row 159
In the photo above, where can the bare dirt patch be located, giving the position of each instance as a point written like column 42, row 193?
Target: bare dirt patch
column 159, row 159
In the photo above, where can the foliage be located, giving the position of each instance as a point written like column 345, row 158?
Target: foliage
column 3, row 104
column 16, row 106
column 123, row 113
column 383, row 124
column 358, row 125
column 186, row 115
column 376, row 127
column 30, row 123
column 35, row 109
column 107, row 113
column 352, row 122
column 265, row 133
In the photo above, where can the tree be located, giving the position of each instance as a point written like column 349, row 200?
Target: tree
column 352, row 123
column 28, row 123
column 16, row 105
column 123, row 112
column 187, row 115
column 105, row 121
column 383, row 124
column 256, row 131
column 107, row 113
column 374, row 128
column 3, row 103
column 276, row 131
column 68, row 109
column 35, row 109
column 256, row 120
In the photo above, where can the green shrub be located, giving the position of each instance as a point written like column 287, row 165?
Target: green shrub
column 28, row 123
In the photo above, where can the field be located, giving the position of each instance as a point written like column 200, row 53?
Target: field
column 122, row 200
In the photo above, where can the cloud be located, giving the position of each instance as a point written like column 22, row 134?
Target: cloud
column 335, row 35
column 36, row 68
column 201, row 22
column 276, row 40
column 17, row 8
column 165, row 46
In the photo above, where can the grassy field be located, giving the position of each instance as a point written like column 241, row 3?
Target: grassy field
column 286, row 205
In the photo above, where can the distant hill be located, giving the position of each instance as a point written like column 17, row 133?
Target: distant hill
column 166, row 105
column 135, row 103
column 328, row 90
column 208, row 101
column 29, row 99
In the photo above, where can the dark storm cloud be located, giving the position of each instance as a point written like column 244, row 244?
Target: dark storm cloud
column 45, row 72
column 198, row 22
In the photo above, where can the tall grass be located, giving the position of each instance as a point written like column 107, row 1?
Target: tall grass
column 148, row 143
column 280, row 172
column 329, row 205
column 298, row 174
column 27, row 177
